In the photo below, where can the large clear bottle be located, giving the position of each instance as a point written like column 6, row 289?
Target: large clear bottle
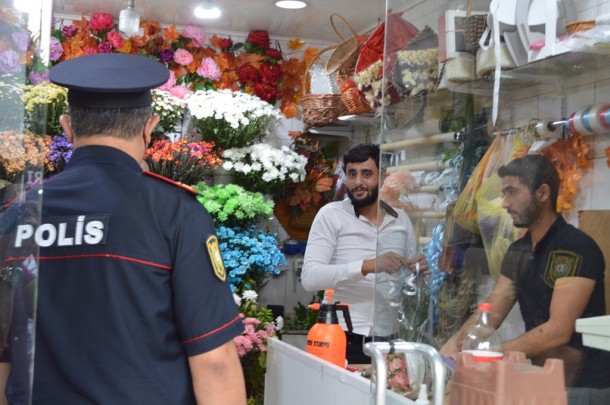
column 483, row 340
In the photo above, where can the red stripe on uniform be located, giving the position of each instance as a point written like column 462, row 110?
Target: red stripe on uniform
column 107, row 255
column 226, row 325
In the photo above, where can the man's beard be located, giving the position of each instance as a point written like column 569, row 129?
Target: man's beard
column 528, row 215
column 366, row 201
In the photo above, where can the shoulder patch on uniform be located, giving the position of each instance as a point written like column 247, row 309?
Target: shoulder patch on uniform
column 172, row 182
column 561, row 263
column 216, row 258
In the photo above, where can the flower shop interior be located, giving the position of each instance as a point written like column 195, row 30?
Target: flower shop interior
column 262, row 102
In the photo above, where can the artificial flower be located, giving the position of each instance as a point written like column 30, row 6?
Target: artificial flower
column 183, row 57
column 19, row 152
column 195, row 34
column 100, row 22
column 55, row 49
column 171, row 111
column 44, row 104
column 209, row 69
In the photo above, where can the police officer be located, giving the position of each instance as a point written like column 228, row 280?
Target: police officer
column 133, row 302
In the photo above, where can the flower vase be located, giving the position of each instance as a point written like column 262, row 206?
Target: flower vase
column 222, row 176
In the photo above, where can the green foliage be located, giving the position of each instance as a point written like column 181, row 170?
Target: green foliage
column 233, row 206
column 304, row 317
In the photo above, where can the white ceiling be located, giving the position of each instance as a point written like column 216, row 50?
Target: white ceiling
column 242, row 16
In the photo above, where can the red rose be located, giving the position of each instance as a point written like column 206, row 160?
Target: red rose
column 247, row 73
column 271, row 73
column 225, row 43
column 265, row 92
column 274, row 54
column 259, row 38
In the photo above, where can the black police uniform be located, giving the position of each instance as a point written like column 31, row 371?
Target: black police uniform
column 564, row 251
column 131, row 281
column 127, row 288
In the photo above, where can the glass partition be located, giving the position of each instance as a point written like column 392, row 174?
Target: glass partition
column 451, row 117
column 24, row 35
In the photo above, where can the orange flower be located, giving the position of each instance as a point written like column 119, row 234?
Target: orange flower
column 296, row 44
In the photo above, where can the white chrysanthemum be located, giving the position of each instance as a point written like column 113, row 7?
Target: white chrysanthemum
column 250, row 295
column 279, row 322
column 237, row 299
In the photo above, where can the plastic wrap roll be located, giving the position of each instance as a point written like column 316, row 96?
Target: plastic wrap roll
column 591, row 120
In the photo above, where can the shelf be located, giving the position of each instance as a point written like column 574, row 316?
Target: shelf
column 425, row 166
column 421, row 141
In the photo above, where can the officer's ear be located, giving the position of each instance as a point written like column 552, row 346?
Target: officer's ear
column 150, row 125
column 66, row 124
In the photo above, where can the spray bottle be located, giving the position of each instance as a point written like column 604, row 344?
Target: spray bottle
column 326, row 339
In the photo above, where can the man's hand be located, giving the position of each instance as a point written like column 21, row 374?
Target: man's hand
column 451, row 348
column 388, row 262
column 419, row 264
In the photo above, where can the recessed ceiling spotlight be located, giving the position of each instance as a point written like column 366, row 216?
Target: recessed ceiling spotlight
column 291, row 4
column 207, row 10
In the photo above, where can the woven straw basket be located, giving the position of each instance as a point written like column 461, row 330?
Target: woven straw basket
column 320, row 109
column 346, row 53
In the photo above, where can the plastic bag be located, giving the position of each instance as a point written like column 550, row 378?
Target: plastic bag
column 465, row 210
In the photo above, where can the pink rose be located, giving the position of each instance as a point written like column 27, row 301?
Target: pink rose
column 183, row 57
column 115, row 39
column 105, row 47
column 171, row 82
column 195, row 34
column 101, row 21
column 209, row 69
column 179, row 91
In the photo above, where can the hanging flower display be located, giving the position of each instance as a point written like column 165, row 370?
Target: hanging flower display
column 253, row 66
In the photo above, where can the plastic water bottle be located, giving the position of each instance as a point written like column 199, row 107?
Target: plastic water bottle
column 483, row 340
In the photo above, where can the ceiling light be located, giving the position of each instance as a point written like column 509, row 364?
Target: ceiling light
column 129, row 19
column 207, row 10
column 291, row 4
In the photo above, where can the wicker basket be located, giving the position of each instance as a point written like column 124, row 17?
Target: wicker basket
column 579, row 26
column 320, row 109
column 353, row 99
column 346, row 53
column 474, row 26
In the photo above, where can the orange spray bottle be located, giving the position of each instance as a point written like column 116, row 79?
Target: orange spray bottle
column 326, row 339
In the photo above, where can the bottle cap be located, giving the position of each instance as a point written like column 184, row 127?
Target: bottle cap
column 484, row 307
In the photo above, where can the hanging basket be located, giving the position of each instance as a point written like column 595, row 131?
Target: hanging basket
column 320, row 109
column 474, row 26
column 345, row 54
column 354, row 100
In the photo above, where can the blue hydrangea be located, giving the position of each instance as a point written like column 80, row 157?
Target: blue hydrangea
column 249, row 255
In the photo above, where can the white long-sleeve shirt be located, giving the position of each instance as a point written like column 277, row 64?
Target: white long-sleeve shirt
column 338, row 243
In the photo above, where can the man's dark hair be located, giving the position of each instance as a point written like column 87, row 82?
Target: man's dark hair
column 534, row 171
column 362, row 153
column 124, row 123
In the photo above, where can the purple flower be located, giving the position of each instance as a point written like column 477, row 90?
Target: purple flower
column 60, row 151
column 105, row 47
column 55, row 49
column 166, row 55
column 21, row 39
column 9, row 62
column 39, row 77
column 69, row 31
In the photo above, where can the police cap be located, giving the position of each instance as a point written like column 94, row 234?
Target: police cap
column 109, row 80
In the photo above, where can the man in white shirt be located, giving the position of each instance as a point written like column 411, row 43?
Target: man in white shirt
column 354, row 243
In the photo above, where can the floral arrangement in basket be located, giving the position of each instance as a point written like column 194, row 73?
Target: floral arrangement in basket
column 231, row 119
column 196, row 62
column 184, row 161
column 20, row 152
column 44, row 104
column 250, row 256
column 252, row 344
column 171, row 111
column 265, row 168
column 232, row 205
column 370, row 82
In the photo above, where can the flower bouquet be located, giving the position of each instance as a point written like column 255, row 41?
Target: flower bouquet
column 231, row 119
column 233, row 206
column 253, row 342
column 171, row 110
column 250, row 256
column 44, row 103
column 182, row 161
column 263, row 167
column 19, row 152
column 59, row 154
